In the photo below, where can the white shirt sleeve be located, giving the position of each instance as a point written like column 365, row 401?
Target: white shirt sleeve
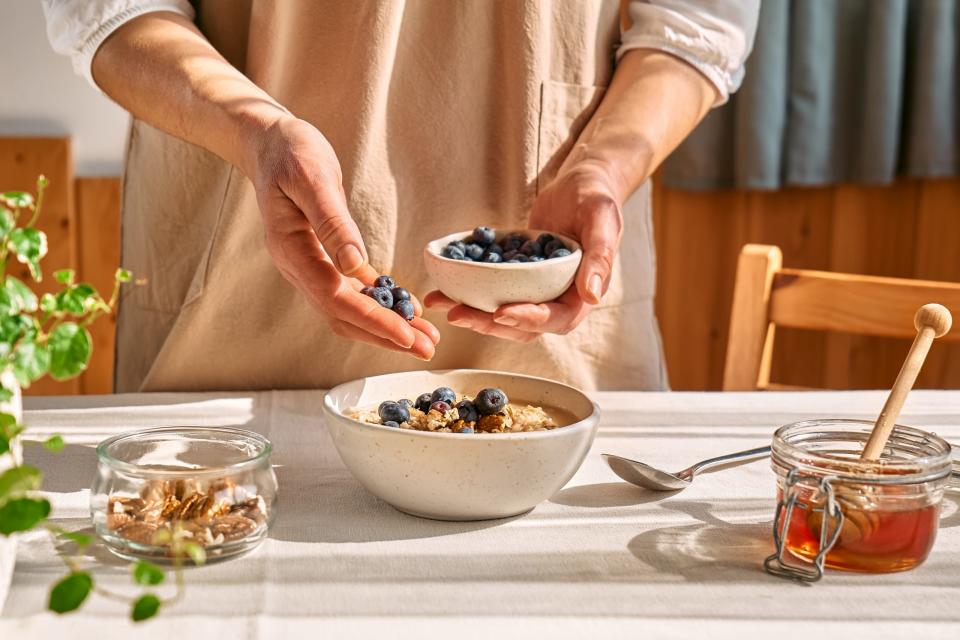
column 77, row 28
column 714, row 36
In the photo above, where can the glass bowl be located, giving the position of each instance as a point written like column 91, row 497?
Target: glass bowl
column 209, row 485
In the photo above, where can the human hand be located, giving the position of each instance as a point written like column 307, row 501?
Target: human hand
column 581, row 203
column 314, row 241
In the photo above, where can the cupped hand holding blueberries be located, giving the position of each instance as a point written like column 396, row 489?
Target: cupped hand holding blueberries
column 316, row 245
column 581, row 203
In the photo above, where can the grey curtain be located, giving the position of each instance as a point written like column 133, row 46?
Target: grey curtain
column 835, row 91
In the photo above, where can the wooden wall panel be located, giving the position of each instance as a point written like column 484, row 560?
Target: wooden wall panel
column 910, row 229
column 21, row 161
column 98, row 226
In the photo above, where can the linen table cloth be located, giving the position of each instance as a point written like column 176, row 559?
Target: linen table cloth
column 601, row 558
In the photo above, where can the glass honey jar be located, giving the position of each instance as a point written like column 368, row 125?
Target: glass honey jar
column 837, row 511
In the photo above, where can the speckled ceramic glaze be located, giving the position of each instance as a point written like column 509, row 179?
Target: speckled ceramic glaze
column 452, row 476
column 486, row 286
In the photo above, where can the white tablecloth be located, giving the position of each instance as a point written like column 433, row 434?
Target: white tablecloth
column 601, row 558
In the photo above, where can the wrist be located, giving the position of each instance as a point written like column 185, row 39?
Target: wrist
column 251, row 126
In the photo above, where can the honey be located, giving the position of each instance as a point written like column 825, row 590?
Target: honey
column 837, row 511
column 871, row 540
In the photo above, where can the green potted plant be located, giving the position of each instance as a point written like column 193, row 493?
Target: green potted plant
column 47, row 335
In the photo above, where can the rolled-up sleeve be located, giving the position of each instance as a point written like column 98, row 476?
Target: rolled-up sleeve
column 77, row 28
column 714, row 36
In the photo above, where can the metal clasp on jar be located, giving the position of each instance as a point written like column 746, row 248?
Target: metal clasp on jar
column 775, row 564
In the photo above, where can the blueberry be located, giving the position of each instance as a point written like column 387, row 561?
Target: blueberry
column 513, row 242
column 559, row 253
column 531, row 248
column 452, row 252
column 537, row 258
column 459, row 244
column 474, row 251
column 399, row 293
column 444, row 394
column 492, row 258
column 391, row 423
column 490, row 401
column 440, row 406
column 519, row 258
column 404, row 308
column 394, row 411
column 552, row 246
column 465, row 430
column 366, row 291
column 494, row 248
column 405, row 402
column 423, row 402
column 510, row 255
column 383, row 296
column 484, row 236
column 385, row 281
column 545, row 238
column 467, row 411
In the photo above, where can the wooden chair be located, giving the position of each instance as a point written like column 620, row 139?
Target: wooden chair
column 766, row 296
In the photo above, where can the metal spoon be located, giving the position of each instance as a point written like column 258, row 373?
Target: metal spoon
column 643, row 475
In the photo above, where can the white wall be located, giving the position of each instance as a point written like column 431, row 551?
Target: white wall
column 40, row 94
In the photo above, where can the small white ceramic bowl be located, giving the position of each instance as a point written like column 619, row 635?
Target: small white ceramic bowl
column 486, row 286
column 453, row 476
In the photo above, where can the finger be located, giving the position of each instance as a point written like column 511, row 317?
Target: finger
column 422, row 348
column 436, row 300
column 600, row 238
column 318, row 195
column 426, row 328
column 300, row 257
column 469, row 318
column 560, row 316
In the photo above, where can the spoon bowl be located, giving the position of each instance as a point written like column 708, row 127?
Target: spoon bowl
column 643, row 475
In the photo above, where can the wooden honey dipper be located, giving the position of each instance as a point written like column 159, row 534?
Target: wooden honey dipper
column 931, row 321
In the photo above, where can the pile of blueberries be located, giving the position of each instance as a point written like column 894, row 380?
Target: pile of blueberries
column 483, row 246
column 487, row 403
column 386, row 292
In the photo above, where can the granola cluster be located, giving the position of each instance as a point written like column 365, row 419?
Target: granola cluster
column 208, row 513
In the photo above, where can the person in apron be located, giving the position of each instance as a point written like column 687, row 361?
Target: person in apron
column 282, row 155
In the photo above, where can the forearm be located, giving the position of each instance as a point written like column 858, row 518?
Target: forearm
column 160, row 68
column 653, row 102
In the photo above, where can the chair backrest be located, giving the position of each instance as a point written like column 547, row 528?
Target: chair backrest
column 766, row 296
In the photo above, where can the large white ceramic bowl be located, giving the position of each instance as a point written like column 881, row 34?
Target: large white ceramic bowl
column 451, row 476
column 486, row 286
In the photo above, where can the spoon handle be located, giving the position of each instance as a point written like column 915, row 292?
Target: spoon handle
column 759, row 452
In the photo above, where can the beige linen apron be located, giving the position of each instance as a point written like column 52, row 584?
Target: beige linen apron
column 445, row 114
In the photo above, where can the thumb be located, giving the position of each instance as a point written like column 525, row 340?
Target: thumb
column 325, row 206
column 601, row 240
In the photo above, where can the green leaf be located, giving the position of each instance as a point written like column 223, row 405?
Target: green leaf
column 17, row 198
column 75, row 299
column 30, row 362
column 70, row 346
column 12, row 328
column 68, row 594
column 54, row 443
column 16, row 297
column 80, row 539
column 48, row 303
column 196, row 552
column 123, row 275
column 7, row 223
column 17, row 481
column 65, row 276
column 145, row 607
column 6, row 395
column 22, row 514
column 30, row 245
column 147, row 574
